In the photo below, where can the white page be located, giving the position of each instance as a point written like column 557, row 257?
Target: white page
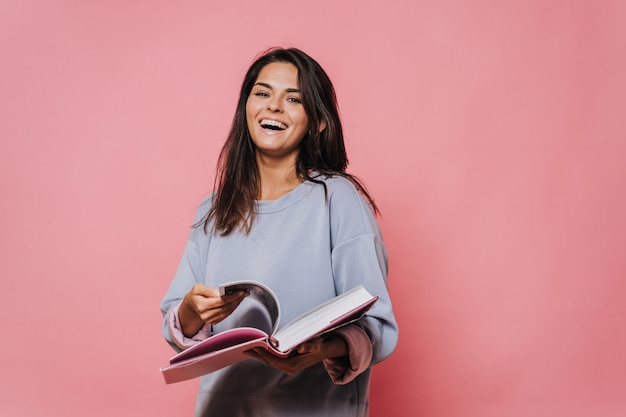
column 320, row 318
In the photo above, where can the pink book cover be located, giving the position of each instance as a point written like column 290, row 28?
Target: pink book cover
column 214, row 353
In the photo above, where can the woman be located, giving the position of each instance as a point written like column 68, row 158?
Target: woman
column 284, row 213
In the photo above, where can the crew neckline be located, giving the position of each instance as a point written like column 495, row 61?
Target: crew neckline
column 281, row 203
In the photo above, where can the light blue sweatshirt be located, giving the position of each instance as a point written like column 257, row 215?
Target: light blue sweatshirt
column 307, row 248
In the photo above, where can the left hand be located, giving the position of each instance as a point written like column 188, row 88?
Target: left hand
column 307, row 354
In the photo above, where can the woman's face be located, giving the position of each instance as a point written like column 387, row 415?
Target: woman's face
column 275, row 114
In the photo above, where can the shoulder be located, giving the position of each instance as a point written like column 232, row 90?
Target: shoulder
column 203, row 209
column 342, row 193
column 350, row 212
column 198, row 228
column 339, row 185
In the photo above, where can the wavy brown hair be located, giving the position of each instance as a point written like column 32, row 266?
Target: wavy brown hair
column 322, row 153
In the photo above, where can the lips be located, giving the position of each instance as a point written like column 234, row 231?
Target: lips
column 272, row 124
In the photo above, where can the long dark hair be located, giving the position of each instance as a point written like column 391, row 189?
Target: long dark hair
column 322, row 151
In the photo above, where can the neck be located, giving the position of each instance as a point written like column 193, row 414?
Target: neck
column 277, row 179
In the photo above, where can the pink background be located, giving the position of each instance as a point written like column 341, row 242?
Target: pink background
column 491, row 133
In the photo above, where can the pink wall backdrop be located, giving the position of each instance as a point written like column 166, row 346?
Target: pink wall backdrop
column 491, row 133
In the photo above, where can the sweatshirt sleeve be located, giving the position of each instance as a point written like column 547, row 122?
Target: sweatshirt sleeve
column 175, row 331
column 359, row 257
column 344, row 370
column 362, row 261
column 191, row 270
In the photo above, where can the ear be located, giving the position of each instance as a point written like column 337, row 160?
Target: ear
column 322, row 125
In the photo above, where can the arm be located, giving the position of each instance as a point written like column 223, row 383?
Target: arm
column 189, row 273
column 363, row 261
column 189, row 307
column 358, row 257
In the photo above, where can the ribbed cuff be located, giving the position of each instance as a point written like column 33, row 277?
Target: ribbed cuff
column 176, row 332
column 344, row 370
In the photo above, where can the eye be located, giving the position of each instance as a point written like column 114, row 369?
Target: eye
column 261, row 94
column 294, row 100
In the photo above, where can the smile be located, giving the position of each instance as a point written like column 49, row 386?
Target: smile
column 272, row 124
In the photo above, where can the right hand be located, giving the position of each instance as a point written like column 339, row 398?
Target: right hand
column 203, row 304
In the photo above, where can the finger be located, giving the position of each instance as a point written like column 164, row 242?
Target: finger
column 235, row 297
column 215, row 316
column 214, row 310
column 229, row 302
column 310, row 347
column 205, row 291
column 255, row 354
column 289, row 365
column 304, row 348
column 227, row 305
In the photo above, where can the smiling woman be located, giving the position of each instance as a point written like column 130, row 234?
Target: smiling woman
column 284, row 213
column 277, row 120
column 241, row 179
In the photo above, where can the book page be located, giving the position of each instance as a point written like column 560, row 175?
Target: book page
column 324, row 317
column 259, row 292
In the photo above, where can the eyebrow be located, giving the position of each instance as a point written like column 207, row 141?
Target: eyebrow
column 266, row 85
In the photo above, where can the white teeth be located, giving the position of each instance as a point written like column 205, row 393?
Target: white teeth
column 274, row 123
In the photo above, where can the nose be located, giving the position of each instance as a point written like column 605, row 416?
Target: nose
column 274, row 105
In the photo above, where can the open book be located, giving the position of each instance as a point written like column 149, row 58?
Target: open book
column 228, row 347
